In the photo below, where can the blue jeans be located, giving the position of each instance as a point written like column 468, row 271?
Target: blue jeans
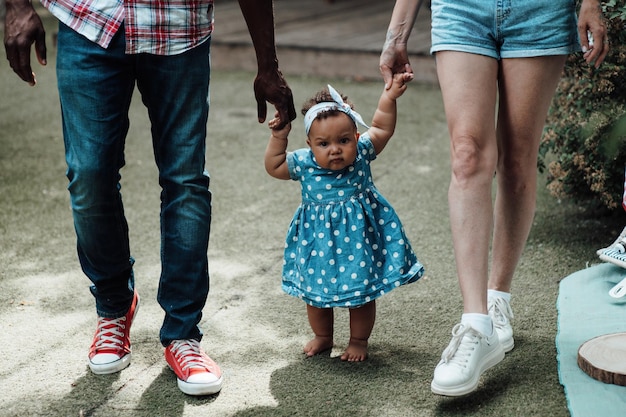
column 95, row 89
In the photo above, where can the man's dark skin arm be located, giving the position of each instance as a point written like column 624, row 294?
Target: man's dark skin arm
column 23, row 27
column 269, row 84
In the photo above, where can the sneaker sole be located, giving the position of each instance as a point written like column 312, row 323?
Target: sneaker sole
column 612, row 260
column 507, row 345
column 200, row 389
column 110, row 368
column 489, row 361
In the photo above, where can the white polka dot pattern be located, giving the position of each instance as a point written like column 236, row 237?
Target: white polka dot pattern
column 346, row 245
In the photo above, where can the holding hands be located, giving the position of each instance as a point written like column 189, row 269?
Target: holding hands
column 397, row 85
column 279, row 130
column 270, row 86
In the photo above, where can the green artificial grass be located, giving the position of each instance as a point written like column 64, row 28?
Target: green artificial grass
column 253, row 330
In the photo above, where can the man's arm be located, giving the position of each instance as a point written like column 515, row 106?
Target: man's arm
column 269, row 84
column 23, row 27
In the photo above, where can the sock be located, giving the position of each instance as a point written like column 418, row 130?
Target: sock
column 501, row 294
column 480, row 322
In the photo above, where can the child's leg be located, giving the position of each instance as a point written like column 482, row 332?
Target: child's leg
column 321, row 321
column 361, row 324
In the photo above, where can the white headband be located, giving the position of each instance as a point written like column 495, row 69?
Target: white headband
column 337, row 104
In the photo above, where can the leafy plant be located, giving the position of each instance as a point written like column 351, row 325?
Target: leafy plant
column 584, row 145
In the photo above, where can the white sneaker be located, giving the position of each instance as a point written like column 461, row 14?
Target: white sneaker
column 616, row 253
column 469, row 354
column 501, row 314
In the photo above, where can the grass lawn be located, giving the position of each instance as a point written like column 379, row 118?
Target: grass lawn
column 252, row 329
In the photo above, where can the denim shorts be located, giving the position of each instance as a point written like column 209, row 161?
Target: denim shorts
column 505, row 28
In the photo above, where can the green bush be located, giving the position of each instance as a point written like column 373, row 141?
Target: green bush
column 584, row 144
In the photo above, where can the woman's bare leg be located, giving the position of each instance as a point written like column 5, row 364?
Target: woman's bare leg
column 469, row 87
column 527, row 86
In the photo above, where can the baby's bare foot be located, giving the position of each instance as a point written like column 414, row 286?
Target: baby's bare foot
column 356, row 351
column 317, row 345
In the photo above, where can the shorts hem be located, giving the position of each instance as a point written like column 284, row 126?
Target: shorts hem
column 525, row 53
column 464, row 48
column 529, row 53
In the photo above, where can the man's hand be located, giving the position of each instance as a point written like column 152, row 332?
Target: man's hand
column 269, row 84
column 23, row 28
column 272, row 87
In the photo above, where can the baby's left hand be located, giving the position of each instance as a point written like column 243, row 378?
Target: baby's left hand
column 398, row 85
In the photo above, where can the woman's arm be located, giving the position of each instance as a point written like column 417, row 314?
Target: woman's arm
column 394, row 56
column 591, row 22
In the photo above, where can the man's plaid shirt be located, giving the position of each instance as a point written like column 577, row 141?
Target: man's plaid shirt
column 160, row 27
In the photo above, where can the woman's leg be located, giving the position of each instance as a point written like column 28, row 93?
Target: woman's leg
column 526, row 89
column 361, row 324
column 322, row 324
column 469, row 87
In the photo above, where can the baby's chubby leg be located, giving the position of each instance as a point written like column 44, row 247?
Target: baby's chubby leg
column 361, row 324
column 322, row 322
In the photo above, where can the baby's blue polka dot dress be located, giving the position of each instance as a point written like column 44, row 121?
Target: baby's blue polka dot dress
column 345, row 245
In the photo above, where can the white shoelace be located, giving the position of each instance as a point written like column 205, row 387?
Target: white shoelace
column 110, row 333
column 460, row 348
column 501, row 312
column 189, row 354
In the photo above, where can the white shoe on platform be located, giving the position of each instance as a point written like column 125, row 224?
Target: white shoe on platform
column 501, row 314
column 469, row 354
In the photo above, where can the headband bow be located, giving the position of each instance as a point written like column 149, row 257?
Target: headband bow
column 337, row 104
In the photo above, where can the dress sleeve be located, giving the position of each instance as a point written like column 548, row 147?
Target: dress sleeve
column 296, row 163
column 366, row 147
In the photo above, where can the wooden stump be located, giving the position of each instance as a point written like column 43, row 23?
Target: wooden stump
column 604, row 358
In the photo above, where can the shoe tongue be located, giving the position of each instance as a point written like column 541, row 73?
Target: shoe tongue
column 110, row 323
column 109, row 350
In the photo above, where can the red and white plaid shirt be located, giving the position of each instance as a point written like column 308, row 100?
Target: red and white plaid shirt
column 160, row 27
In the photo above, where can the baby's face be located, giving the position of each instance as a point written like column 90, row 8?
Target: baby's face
column 333, row 141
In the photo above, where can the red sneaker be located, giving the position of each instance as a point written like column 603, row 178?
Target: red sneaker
column 110, row 349
column 197, row 373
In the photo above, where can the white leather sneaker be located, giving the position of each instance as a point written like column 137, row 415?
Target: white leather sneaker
column 616, row 253
column 469, row 354
column 501, row 314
